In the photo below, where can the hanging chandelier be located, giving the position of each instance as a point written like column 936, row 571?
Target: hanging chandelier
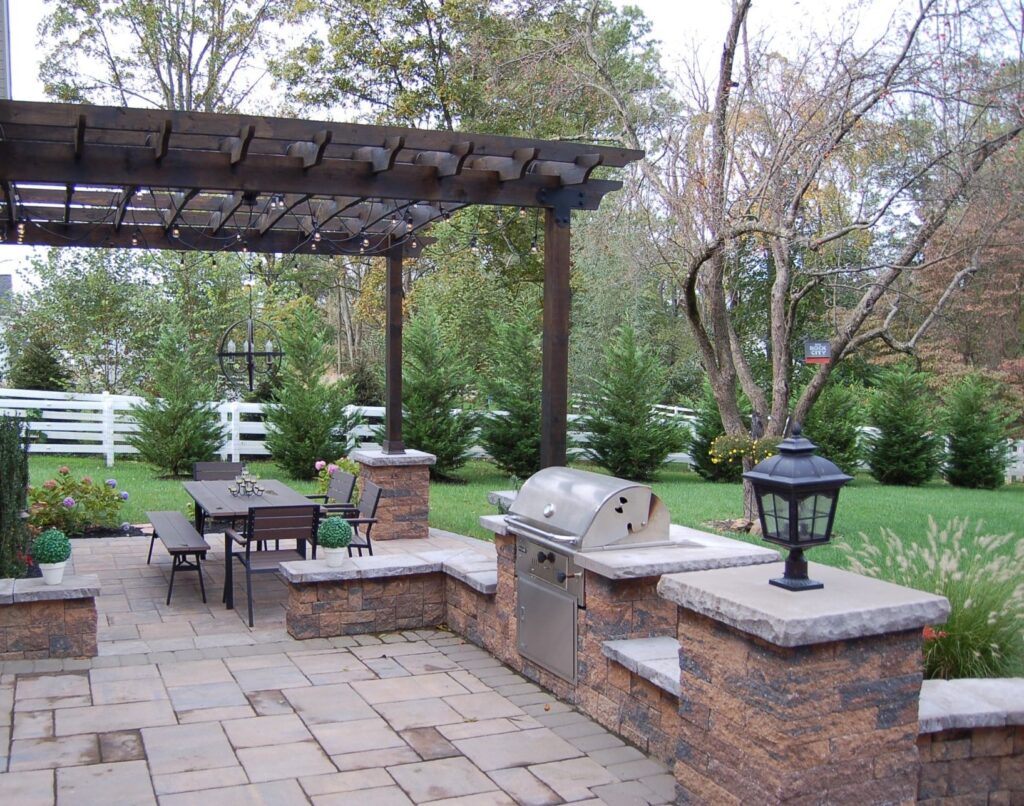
column 249, row 349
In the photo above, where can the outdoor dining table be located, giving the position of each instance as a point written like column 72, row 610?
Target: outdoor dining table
column 214, row 500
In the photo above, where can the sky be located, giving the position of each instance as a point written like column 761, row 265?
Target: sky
column 679, row 25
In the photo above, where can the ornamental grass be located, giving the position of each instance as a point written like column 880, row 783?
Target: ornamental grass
column 982, row 575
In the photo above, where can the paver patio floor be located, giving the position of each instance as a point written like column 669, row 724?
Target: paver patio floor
column 186, row 704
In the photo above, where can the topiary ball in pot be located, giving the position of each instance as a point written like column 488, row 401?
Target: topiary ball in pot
column 51, row 550
column 333, row 537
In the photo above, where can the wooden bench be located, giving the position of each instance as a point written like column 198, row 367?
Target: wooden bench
column 182, row 542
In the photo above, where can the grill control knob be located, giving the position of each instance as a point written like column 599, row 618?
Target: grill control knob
column 560, row 576
column 548, row 557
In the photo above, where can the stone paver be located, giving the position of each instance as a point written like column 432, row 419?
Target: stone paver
column 187, row 705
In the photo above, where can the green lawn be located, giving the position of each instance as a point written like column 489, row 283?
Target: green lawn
column 864, row 505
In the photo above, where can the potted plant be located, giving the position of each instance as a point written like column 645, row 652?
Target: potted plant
column 333, row 538
column 51, row 551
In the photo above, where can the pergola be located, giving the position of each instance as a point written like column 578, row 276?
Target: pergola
column 95, row 176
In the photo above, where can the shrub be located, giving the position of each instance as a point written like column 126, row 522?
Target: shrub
column 626, row 435
column 434, row 383
column 177, row 424
column 14, row 533
column 52, row 546
column 834, row 423
column 983, row 578
column 334, row 533
column 513, row 385
column 904, row 450
column 75, row 505
column 308, row 418
column 706, row 429
column 976, row 428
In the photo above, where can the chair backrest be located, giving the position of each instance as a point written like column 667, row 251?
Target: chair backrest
column 340, row 489
column 216, row 471
column 282, row 523
column 369, row 499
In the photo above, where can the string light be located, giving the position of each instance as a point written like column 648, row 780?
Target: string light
column 175, row 233
column 135, row 237
column 473, row 245
column 522, row 212
column 316, row 235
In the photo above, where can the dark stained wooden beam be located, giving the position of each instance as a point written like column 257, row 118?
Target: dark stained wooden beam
column 508, row 168
column 311, row 152
column 393, row 353
column 238, row 147
column 380, row 158
column 163, row 137
column 172, row 213
column 448, row 163
column 555, row 373
column 122, row 206
column 270, row 217
column 575, row 173
column 30, row 113
column 227, row 209
column 9, row 203
column 79, row 136
column 69, row 191
column 111, row 165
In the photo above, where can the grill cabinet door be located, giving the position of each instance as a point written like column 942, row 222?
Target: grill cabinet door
column 546, row 626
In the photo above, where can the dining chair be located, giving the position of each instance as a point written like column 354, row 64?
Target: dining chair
column 216, row 471
column 364, row 519
column 338, row 500
column 263, row 525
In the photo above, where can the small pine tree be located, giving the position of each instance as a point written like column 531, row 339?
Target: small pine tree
column 706, row 429
column 434, row 383
column 307, row 419
column 14, row 536
column 37, row 366
column 904, row 451
column 834, row 423
column 177, row 424
column 513, row 385
column 976, row 427
column 626, row 436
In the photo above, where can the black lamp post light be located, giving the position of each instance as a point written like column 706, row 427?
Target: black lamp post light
column 796, row 493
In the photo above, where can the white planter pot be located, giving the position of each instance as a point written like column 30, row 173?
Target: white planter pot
column 53, row 573
column 334, row 557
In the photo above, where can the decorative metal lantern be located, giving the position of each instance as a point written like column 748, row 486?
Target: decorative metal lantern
column 248, row 349
column 796, row 494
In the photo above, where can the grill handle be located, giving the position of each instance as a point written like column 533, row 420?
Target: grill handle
column 528, row 530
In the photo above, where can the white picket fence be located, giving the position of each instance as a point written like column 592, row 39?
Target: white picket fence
column 66, row 423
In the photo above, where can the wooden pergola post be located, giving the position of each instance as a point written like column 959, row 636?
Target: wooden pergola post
column 393, row 443
column 555, row 374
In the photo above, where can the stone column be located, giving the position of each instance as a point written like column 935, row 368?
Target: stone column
column 405, row 481
column 798, row 697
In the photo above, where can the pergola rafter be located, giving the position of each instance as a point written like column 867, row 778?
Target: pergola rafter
column 92, row 176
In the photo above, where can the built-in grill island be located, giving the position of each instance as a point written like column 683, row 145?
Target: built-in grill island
column 588, row 552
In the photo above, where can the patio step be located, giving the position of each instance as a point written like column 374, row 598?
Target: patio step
column 654, row 659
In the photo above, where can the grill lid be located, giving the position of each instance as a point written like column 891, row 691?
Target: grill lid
column 588, row 510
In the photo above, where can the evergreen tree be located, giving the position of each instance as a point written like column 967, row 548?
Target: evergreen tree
column 976, row 427
column 14, row 535
column 177, row 424
column 833, row 424
column 706, row 428
column 37, row 365
column 307, row 420
column 904, row 450
column 513, row 385
column 626, row 436
column 434, row 383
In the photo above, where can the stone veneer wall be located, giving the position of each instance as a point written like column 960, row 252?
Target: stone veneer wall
column 972, row 765
column 403, row 509
column 326, row 609
column 54, row 628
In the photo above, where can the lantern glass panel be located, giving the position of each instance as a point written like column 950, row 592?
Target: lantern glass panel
column 776, row 515
column 812, row 515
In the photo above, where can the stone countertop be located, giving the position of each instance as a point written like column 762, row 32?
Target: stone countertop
column 849, row 606
column 73, row 586
column 953, row 704
column 375, row 457
column 691, row 550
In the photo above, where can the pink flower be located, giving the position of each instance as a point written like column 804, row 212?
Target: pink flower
column 63, row 470
column 49, row 484
column 332, row 469
column 86, row 479
column 320, row 465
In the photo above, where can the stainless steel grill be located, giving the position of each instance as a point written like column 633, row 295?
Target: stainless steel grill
column 558, row 513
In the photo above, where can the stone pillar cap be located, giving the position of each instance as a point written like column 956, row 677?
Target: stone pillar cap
column 849, row 606
column 375, row 457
